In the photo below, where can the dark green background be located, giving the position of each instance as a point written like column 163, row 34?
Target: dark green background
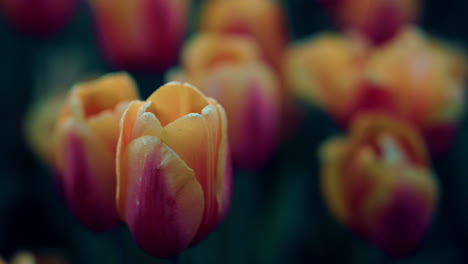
column 277, row 214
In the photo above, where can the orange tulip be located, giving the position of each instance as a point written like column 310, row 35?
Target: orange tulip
column 173, row 169
column 264, row 20
column 86, row 137
column 416, row 69
column 250, row 95
column 38, row 17
column 140, row 35
column 206, row 52
column 378, row 182
column 325, row 68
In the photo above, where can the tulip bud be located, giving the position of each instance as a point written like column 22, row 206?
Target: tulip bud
column 250, row 95
column 142, row 35
column 208, row 51
column 377, row 20
column 264, row 20
column 325, row 68
column 417, row 69
column 378, row 182
column 40, row 124
column 38, row 17
column 86, row 138
column 173, row 169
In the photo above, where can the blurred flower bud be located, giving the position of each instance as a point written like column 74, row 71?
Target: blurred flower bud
column 38, row 17
column 40, row 124
column 86, row 138
column 173, row 169
column 377, row 20
column 378, row 182
column 325, row 68
column 143, row 35
column 250, row 95
column 427, row 81
column 264, row 20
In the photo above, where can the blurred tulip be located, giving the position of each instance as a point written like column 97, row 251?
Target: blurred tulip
column 264, row 20
column 378, row 182
column 228, row 69
column 142, row 35
column 377, row 20
column 250, row 95
column 40, row 124
column 325, row 68
column 86, row 138
column 173, row 169
column 417, row 69
column 206, row 52
column 38, row 17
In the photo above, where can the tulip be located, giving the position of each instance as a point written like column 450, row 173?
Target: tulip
column 38, row 17
column 142, row 35
column 250, row 95
column 417, row 69
column 40, row 124
column 173, row 169
column 377, row 20
column 325, row 68
column 264, row 20
column 86, row 136
column 378, row 182
column 206, row 52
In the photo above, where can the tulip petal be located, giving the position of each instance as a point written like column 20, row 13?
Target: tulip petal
column 175, row 100
column 159, row 197
column 198, row 154
column 86, row 166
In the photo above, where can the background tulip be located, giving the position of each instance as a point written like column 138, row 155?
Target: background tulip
column 86, row 137
column 40, row 124
column 142, row 35
column 250, row 95
column 313, row 66
column 38, row 17
column 173, row 169
column 378, row 182
column 376, row 20
column 416, row 68
column 264, row 20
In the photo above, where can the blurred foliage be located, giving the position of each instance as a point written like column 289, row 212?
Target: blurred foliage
column 277, row 214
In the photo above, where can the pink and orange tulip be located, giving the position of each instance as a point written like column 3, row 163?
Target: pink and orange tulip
column 250, row 95
column 263, row 20
column 173, row 169
column 229, row 69
column 143, row 35
column 376, row 20
column 38, row 17
column 415, row 68
column 378, row 182
column 86, row 136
